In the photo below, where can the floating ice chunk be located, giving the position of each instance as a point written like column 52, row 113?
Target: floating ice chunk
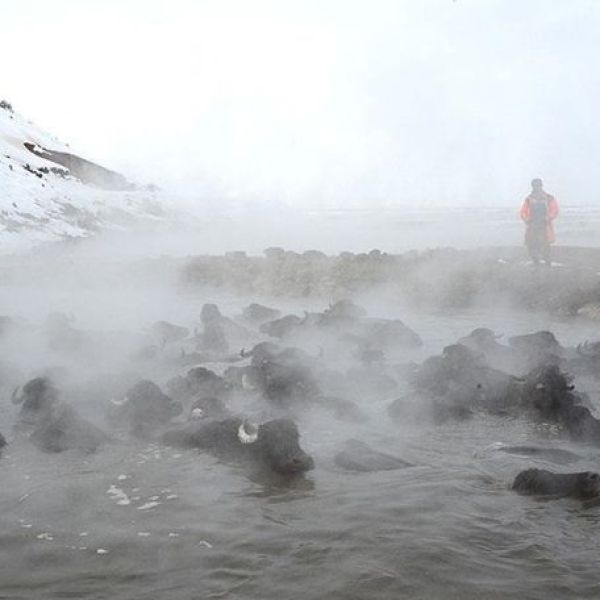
column 143, row 533
column 172, row 497
column 204, row 543
column 122, row 477
column 45, row 536
column 148, row 505
column 173, row 535
column 101, row 551
column 119, row 495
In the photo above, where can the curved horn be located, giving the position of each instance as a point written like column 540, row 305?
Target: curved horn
column 197, row 413
column 116, row 402
column 16, row 399
column 247, row 433
column 585, row 349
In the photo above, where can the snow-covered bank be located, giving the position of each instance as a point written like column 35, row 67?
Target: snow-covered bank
column 44, row 200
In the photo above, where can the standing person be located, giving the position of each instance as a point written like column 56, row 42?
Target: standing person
column 538, row 211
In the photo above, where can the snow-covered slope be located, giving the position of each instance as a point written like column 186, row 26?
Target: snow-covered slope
column 43, row 200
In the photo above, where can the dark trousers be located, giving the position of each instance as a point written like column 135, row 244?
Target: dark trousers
column 537, row 244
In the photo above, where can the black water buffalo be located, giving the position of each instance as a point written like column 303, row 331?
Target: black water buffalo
column 213, row 338
column 145, row 409
column 208, row 407
column 586, row 360
column 54, row 425
column 257, row 313
column 64, row 429
column 274, row 445
column 282, row 327
column 37, row 399
column 462, row 377
column 198, row 382
column 166, row 333
column 358, row 456
column 484, row 341
column 537, row 349
column 287, row 385
column 584, row 485
column 551, row 396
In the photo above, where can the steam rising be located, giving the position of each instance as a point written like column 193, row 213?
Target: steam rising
column 410, row 103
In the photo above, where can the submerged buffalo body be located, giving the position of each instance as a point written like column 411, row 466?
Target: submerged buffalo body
column 461, row 378
column 282, row 327
column 537, row 349
column 358, row 456
column 198, row 382
column 64, row 429
column 53, row 425
column 273, row 445
column 540, row 482
column 550, row 394
column 259, row 313
column 37, row 399
column 146, row 408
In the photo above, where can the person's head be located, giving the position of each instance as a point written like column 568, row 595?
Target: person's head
column 536, row 185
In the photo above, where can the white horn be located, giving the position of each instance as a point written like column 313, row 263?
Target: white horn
column 247, row 433
column 119, row 402
column 197, row 413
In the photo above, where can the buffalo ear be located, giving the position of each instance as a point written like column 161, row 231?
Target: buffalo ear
column 247, row 433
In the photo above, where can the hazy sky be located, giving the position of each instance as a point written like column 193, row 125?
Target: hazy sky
column 339, row 102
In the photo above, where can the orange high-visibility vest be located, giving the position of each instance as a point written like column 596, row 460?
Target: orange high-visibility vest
column 551, row 214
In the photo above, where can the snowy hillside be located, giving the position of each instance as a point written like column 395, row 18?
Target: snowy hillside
column 48, row 193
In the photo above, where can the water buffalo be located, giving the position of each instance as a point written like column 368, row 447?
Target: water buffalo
column 54, row 425
column 198, row 382
column 584, row 485
column 287, row 385
column 358, row 456
column 537, row 349
column 484, row 341
column 208, row 408
column 586, row 360
column 283, row 327
column 145, row 409
column 64, row 429
column 274, row 445
column 257, row 313
column 37, row 399
column 462, row 377
column 213, row 338
column 166, row 333
column 550, row 395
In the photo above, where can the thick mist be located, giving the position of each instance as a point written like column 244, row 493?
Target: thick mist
column 335, row 105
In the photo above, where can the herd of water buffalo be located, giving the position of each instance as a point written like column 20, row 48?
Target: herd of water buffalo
column 531, row 377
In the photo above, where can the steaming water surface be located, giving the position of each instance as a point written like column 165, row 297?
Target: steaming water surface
column 139, row 520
